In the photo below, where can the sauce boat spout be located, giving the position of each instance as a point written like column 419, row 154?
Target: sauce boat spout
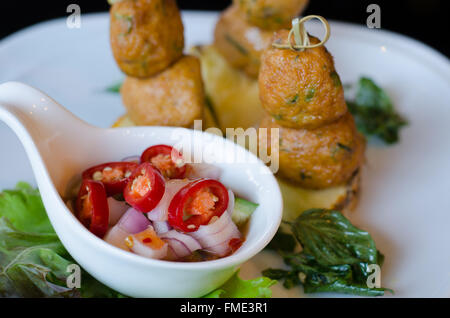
column 49, row 133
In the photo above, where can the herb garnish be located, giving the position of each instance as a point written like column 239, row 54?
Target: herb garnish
column 374, row 112
column 334, row 258
column 115, row 88
column 282, row 242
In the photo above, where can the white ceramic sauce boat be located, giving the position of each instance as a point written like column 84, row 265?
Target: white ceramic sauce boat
column 60, row 146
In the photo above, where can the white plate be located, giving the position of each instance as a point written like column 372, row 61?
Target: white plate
column 405, row 203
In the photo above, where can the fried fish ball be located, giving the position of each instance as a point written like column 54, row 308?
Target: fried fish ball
column 300, row 89
column 271, row 14
column 146, row 35
column 239, row 42
column 174, row 97
column 319, row 158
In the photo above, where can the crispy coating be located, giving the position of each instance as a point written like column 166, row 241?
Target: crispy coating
column 146, row 35
column 300, row 89
column 239, row 42
column 318, row 158
column 271, row 14
column 174, row 97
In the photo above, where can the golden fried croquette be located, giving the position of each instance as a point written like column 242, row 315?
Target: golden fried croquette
column 318, row 158
column 174, row 97
column 239, row 42
column 146, row 35
column 300, row 89
column 271, row 14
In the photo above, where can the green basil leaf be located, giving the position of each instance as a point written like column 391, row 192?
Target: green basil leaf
column 372, row 96
column 282, row 242
column 374, row 112
column 115, row 88
column 276, row 274
column 340, row 285
column 334, row 258
column 332, row 240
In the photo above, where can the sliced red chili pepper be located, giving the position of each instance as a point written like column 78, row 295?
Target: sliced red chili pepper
column 165, row 158
column 196, row 203
column 235, row 244
column 113, row 175
column 92, row 207
column 145, row 188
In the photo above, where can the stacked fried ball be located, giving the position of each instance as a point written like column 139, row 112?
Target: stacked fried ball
column 163, row 86
column 245, row 29
column 319, row 145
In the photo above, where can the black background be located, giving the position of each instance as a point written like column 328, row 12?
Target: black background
column 425, row 20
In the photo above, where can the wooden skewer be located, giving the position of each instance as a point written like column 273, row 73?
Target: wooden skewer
column 301, row 38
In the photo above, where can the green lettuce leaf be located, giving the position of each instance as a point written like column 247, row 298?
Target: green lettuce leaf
column 26, row 260
column 23, row 207
column 236, row 287
column 33, row 262
column 35, row 265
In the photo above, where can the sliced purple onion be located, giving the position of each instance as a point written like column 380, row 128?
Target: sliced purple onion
column 133, row 221
column 220, row 250
column 215, row 237
column 135, row 159
column 161, row 227
column 159, row 213
column 180, row 244
column 211, row 228
column 229, row 231
column 116, row 236
column 223, row 248
column 177, row 250
column 203, row 170
column 116, row 210
column 187, row 240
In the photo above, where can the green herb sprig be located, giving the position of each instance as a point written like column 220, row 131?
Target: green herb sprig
column 115, row 88
column 374, row 112
column 334, row 257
